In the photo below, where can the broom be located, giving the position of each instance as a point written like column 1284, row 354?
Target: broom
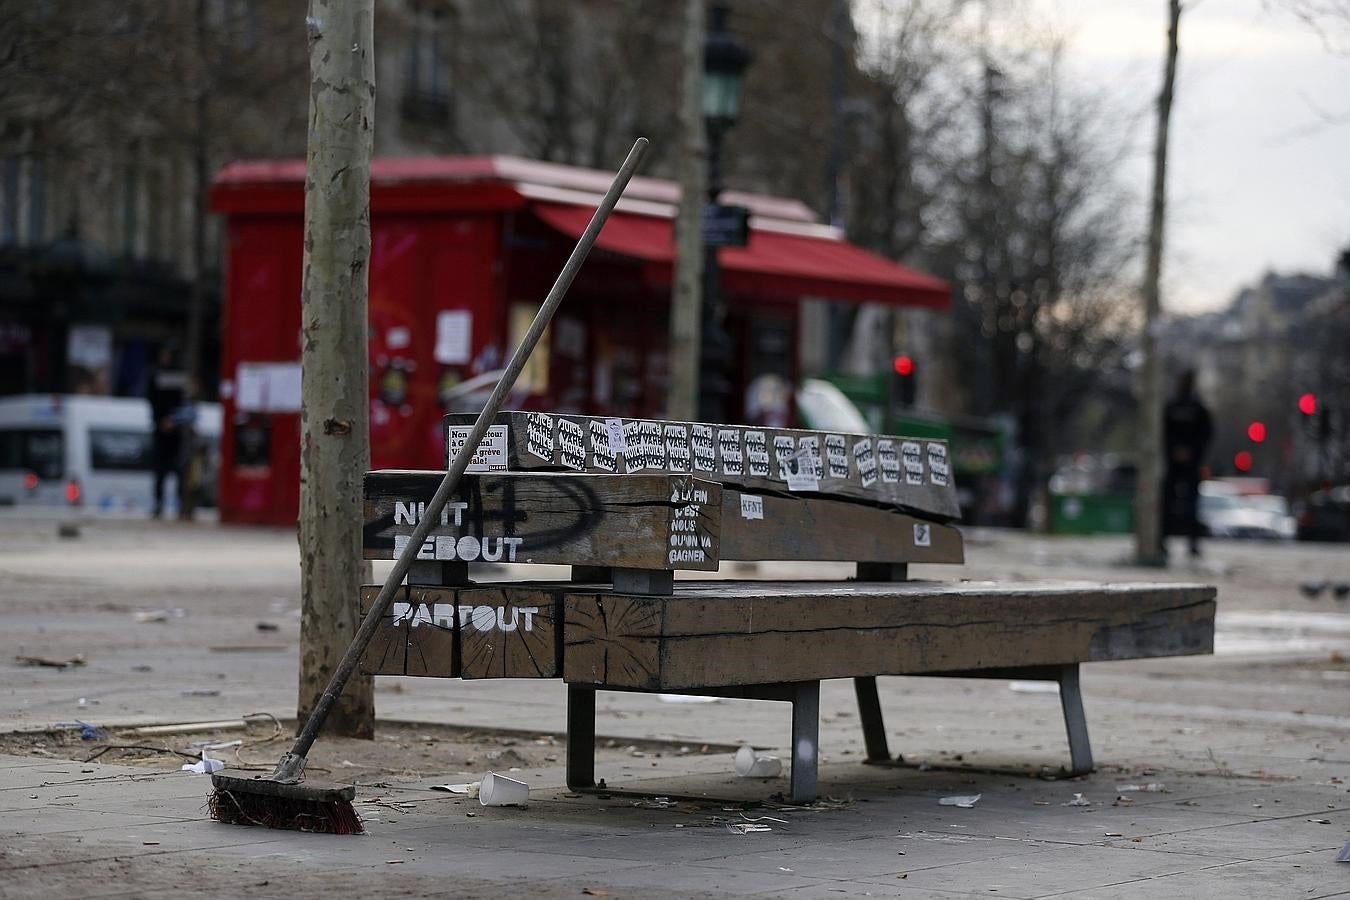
column 283, row 799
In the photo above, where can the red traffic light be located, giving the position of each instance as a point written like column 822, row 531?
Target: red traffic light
column 1243, row 461
column 1307, row 404
column 904, row 366
column 1257, row 432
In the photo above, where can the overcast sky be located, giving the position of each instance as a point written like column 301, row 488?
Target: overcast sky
column 1258, row 178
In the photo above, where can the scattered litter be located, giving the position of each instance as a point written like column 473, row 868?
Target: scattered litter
column 190, row 727
column 214, row 745
column 1034, row 687
column 268, row 626
column 1151, row 787
column 595, row 892
column 248, row 648
column 498, row 790
column 152, row 615
column 77, row 660
column 207, row 766
column 654, row 803
column 1122, row 800
column 1078, row 800
column 90, row 733
column 750, row 765
column 686, row 698
column 1040, row 802
column 747, row 828
column 395, row 862
column 1344, row 855
column 202, row 692
column 468, row 789
column 88, row 701
column 784, row 869
column 87, row 732
column 961, row 801
column 1320, row 821
column 150, row 843
column 1114, row 834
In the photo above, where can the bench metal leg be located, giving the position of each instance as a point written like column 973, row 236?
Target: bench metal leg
column 1071, row 699
column 873, row 724
column 805, row 741
column 581, row 737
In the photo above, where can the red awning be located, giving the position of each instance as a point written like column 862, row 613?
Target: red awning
column 774, row 264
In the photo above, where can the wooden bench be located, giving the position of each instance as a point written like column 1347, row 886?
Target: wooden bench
column 628, row 504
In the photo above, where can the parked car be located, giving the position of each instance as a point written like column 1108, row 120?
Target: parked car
column 823, row 407
column 1325, row 515
column 1258, row 516
column 88, row 451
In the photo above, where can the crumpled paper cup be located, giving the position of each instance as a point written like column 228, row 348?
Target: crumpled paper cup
column 751, row 765
column 498, row 790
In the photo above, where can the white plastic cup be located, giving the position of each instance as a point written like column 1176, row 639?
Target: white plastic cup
column 498, row 790
column 749, row 765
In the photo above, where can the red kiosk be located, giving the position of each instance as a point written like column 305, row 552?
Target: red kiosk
column 462, row 251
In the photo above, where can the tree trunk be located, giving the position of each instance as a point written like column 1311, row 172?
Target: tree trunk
column 334, row 415
column 1148, row 534
column 687, row 303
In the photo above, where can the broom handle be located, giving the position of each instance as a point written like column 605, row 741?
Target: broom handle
column 461, row 461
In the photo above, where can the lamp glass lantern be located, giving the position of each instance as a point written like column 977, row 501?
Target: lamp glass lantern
column 724, row 62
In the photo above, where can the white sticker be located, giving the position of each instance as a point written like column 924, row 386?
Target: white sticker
column 617, row 442
column 810, row 447
column 752, row 506
column 603, row 455
column 923, row 534
column 912, row 457
column 784, row 448
column 571, row 444
column 491, row 453
column 653, row 448
column 800, row 471
column 454, row 337
column 757, row 454
column 836, row 455
column 677, row 448
column 634, row 458
column 705, row 453
column 729, row 449
column 938, row 472
column 539, row 435
column 888, row 461
column 866, row 461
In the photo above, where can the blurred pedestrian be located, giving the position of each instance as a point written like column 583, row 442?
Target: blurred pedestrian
column 1187, row 430
column 167, row 392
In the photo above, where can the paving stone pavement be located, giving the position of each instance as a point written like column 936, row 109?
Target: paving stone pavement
column 1251, row 743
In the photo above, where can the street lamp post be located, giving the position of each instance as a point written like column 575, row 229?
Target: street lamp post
column 724, row 62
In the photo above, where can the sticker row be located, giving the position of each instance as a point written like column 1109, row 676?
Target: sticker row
column 622, row 446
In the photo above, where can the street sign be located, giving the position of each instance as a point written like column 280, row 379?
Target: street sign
column 725, row 226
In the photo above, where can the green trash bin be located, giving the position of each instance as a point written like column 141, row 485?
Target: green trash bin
column 1091, row 514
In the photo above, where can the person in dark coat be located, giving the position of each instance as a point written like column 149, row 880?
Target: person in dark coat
column 166, row 392
column 1187, row 429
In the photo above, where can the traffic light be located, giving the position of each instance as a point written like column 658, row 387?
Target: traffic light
column 1257, row 432
column 905, row 378
column 1307, row 404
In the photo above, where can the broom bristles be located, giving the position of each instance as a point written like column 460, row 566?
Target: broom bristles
column 235, row 807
